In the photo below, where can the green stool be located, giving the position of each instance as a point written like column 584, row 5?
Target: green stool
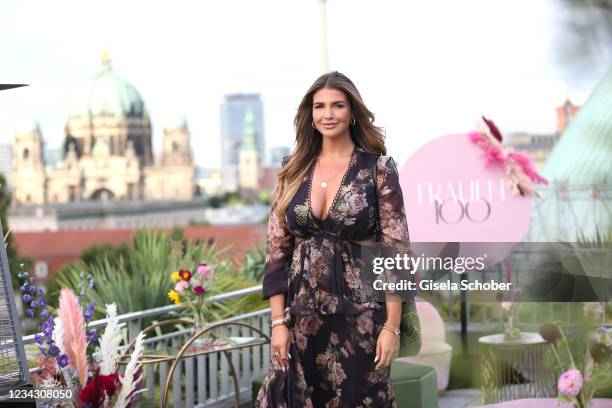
column 413, row 385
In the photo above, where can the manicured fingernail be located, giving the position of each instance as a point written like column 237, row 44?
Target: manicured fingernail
column 289, row 355
column 376, row 359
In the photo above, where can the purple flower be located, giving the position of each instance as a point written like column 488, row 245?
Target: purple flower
column 32, row 280
column 27, row 298
column 62, row 361
column 92, row 335
column 22, row 288
column 39, row 292
column 24, row 275
column 38, row 338
column 89, row 310
column 44, row 313
column 31, row 289
column 30, row 312
column 34, row 304
column 50, row 342
column 570, row 383
column 47, row 328
column 54, row 351
column 42, row 303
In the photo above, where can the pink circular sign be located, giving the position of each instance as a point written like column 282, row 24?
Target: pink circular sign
column 452, row 195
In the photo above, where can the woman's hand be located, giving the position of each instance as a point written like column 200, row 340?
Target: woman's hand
column 279, row 346
column 387, row 348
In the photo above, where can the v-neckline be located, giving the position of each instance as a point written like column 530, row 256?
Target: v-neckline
column 331, row 207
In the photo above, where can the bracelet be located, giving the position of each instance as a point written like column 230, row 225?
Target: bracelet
column 275, row 316
column 278, row 322
column 395, row 330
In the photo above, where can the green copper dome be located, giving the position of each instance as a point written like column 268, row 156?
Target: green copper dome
column 583, row 155
column 577, row 203
column 114, row 96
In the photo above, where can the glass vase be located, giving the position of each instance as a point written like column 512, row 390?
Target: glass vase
column 199, row 324
column 512, row 332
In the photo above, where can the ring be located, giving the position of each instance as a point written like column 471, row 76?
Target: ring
column 276, row 353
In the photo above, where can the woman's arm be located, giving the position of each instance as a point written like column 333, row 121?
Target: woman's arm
column 393, row 224
column 279, row 252
column 394, row 235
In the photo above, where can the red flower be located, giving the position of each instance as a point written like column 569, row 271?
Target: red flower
column 198, row 290
column 98, row 388
column 185, row 274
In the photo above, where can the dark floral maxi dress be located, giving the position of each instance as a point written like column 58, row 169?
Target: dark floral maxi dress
column 333, row 329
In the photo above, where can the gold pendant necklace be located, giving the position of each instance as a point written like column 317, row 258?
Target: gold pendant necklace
column 325, row 183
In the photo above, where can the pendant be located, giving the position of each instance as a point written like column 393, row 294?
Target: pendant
column 323, row 184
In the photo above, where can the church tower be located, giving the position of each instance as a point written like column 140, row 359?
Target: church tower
column 176, row 146
column 249, row 160
column 28, row 172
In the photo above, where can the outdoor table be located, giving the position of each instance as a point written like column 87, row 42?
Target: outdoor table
column 191, row 348
column 514, row 369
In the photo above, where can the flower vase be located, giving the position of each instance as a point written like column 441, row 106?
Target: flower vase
column 200, row 324
column 512, row 332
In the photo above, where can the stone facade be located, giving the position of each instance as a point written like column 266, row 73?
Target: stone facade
column 107, row 153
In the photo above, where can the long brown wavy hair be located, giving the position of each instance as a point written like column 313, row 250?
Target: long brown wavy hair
column 309, row 140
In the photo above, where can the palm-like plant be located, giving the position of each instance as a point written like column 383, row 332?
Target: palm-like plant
column 140, row 279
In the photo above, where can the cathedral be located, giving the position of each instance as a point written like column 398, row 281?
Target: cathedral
column 107, row 153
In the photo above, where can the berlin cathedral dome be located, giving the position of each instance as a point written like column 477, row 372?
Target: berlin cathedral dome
column 107, row 152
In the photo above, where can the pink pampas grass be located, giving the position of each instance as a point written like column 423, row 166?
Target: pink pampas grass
column 75, row 341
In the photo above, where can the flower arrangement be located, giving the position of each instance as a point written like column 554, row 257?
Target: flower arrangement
column 69, row 359
column 193, row 289
column 580, row 379
column 518, row 167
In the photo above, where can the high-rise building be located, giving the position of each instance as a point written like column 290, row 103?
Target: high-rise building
column 233, row 112
column 276, row 155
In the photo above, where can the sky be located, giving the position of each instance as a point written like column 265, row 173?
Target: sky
column 425, row 68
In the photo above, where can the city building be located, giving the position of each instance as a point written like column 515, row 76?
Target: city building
column 233, row 112
column 249, row 159
column 107, row 153
column 49, row 251
column 538, row 146
column 277, row 153
column 6, row 157
column 93, row 215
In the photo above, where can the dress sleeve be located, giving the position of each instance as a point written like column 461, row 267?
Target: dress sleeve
column 280, row 244
column 393, row 224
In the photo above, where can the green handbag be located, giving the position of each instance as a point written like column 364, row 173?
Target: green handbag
column 410, row 328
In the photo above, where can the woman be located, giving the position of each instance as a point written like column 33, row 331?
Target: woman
column 339, row 346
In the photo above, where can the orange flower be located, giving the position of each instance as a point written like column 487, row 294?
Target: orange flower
column 185, row 274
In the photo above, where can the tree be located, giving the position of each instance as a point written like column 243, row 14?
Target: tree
column 585, row 42
column 13, row 257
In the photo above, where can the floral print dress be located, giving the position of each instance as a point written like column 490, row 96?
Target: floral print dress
column 314, row 262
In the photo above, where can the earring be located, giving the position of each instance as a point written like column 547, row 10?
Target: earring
column 353, row 121
column 313, row 125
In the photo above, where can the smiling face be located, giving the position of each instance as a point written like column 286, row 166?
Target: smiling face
column 331, row 112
